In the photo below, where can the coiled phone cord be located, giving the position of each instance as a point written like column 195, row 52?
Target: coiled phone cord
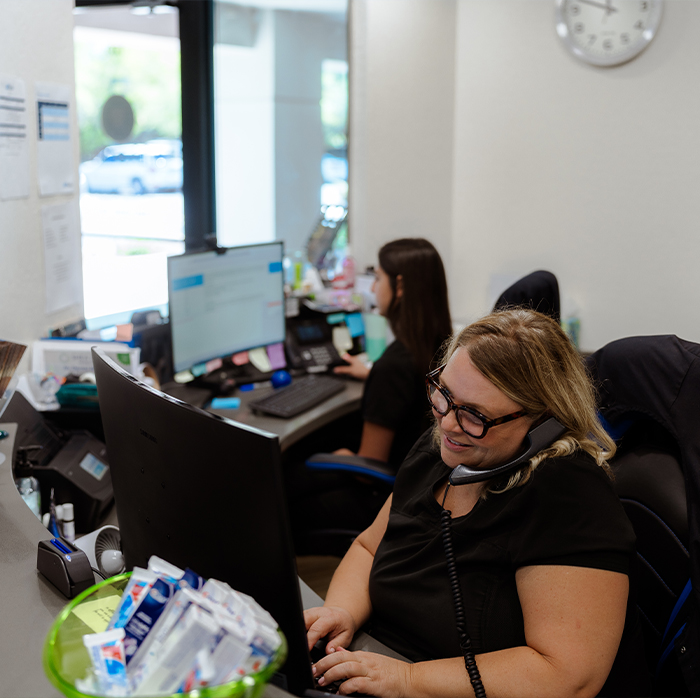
column 465, row 642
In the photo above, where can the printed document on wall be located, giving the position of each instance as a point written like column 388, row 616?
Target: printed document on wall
column 14, row 149
column 61, row 256
column 54, row 142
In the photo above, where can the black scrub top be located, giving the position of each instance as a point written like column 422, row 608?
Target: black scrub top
column 394, row 397
column 566, row 514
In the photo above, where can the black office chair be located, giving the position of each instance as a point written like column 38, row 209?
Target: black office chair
column 538, row 290
column 649, row 399
column 362, row 484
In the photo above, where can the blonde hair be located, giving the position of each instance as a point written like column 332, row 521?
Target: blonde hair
column 528, row 357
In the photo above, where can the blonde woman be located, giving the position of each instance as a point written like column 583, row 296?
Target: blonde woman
column 536, row 603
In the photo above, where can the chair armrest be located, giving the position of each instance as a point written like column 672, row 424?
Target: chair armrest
column 369, row 467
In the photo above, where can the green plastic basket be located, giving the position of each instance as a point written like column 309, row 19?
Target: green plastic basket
column 66, row 659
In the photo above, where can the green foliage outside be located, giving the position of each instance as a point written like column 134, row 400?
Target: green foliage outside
column 334, row 103
column 149, row 79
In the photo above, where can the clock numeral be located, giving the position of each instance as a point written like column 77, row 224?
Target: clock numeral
column 574, row 10
column 644, row 5
column 579, row 27
column 625, row 38
column 591, row 39
column 639, row 24
column 608, row 44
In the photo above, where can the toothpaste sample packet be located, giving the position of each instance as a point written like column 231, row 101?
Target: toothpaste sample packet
column 108, row 661
column 140, row 582
column 175, row 631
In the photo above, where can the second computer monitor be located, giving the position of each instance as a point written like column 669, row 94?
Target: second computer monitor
column 225, row 302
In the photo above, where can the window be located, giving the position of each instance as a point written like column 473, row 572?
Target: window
column 127, row 65
column 280, row 95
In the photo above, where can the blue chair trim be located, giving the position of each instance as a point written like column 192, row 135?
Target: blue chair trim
column 676, row 610
column 355, row 469
column 667, row 651
column 679, row 604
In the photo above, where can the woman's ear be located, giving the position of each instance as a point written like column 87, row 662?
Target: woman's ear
column 399, row 286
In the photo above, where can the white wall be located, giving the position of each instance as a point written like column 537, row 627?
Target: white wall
column 591, row 173
column 402, row 61
column 35, row 45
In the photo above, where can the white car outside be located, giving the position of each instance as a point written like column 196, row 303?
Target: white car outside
column 134, row 168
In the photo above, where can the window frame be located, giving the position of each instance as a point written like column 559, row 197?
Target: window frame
column 196, row 26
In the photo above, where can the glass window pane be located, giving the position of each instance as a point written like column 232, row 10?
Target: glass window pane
column 127, row 65
column 280, row 89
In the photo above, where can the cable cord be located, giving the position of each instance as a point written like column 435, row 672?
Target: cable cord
column 465, row 642
column 96, row 571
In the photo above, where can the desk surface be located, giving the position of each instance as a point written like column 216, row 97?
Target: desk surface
column 29, row 604
column 290, row 430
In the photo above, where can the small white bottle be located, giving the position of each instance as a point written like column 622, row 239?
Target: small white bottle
column 68, row 522
column 29, row 489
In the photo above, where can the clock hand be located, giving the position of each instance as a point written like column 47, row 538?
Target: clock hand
column 607, row 7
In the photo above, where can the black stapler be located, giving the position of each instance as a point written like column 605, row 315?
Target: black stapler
column 65, row 566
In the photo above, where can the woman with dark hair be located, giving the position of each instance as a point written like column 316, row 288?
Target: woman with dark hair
column 411, row 293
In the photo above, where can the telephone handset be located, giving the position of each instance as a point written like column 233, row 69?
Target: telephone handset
column 537, row 438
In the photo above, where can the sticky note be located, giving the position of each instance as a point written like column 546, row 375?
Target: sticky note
column 240, row 359
column 199, row 370
column 213, row 365
column 335, row 318
column 258, row 357
column 355, row 324
column 96, row 614
column 341, row 339
column 225, row 403
column 275, row 352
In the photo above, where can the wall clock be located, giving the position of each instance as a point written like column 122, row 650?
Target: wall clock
column 607, row 32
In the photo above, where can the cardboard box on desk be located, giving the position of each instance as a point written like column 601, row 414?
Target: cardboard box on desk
column 72, row 356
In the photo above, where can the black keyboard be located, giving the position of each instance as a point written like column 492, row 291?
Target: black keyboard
column 303, row 394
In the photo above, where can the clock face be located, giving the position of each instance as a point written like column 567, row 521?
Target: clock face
column 607, row 32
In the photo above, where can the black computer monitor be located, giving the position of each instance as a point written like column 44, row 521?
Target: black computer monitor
column 202, row 492
column 225, row 301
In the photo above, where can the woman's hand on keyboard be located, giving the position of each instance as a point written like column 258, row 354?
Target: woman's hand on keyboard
column 332, row 622
column 363, row 672
column 357, row 368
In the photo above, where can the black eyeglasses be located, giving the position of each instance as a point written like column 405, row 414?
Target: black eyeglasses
column 470, row 421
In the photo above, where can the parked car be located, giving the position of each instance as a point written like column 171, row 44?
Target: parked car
column 134, row 168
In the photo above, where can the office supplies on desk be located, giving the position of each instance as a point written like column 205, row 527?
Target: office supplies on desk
column 302, row 394
column 225, row 403
column 74, row 462
column 65, row 566
column 72, row 356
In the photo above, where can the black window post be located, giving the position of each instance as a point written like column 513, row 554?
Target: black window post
column 197, row 80
column 197, row 66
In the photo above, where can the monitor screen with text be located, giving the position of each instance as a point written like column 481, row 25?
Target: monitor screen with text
column 221, row 303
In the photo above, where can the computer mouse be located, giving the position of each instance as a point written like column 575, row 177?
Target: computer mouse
column 281, row 378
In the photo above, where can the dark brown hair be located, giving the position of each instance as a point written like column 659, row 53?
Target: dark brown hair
column 420, row 319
